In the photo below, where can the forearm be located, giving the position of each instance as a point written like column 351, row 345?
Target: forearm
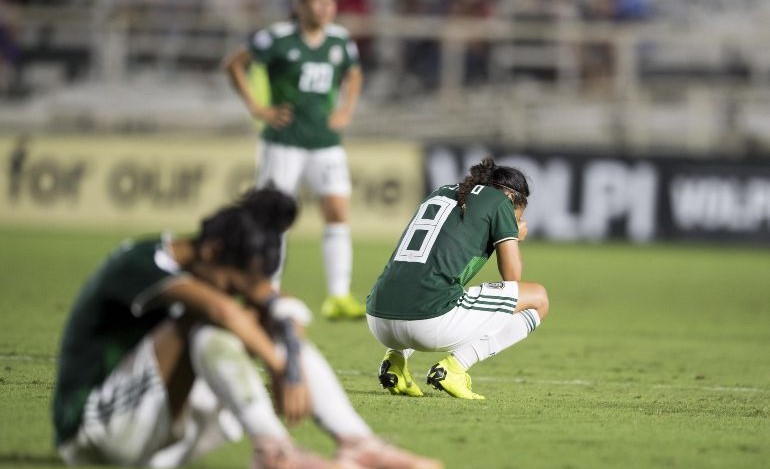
column 235, row 66
column 351, row 90
column 510, row 273
column 280, row 314
column 509, row 262
column 255, row 338
column 287, row 334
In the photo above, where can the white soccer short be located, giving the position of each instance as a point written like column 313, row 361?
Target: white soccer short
column 127, row 420
column 482, row 311
column 324, row 170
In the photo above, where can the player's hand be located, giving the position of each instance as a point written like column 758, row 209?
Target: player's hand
column 292, row 400
column 339, row 119
column 522, row 229
column 276, row 116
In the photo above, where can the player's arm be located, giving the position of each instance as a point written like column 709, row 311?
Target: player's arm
column 285, row 317
column 218, row 308
column 509, row 262
column 352, row 83
column 236, row 65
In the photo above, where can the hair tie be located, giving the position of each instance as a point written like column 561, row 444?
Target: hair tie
column 515, row 192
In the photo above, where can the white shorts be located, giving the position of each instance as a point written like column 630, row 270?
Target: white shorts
column 127, row 420
column 324, row 170
column 482, row 311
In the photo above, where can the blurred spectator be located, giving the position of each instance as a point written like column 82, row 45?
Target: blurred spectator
column 477, row 52
column 10, row 53
column 632, row 10
column 16, row 166
column 365, row 43
column 598, row 58
column 422, row 57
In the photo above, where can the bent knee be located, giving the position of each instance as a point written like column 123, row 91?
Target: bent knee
column 212, row 340
column 534, row 296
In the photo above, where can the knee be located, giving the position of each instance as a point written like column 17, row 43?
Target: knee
column 207, row 341
column 334, row 209
column 545, row 303
column 540, row 300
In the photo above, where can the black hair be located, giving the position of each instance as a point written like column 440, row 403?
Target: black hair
column 270, row 208
column 249, row 231
column 487, row 173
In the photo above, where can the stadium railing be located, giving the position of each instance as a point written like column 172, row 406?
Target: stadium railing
column 549, row 76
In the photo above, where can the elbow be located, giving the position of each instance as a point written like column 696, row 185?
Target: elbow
column 227, row 66
column 234, row 60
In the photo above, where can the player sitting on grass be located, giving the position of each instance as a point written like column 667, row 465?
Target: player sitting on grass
column 420, row 303
column 155, row 366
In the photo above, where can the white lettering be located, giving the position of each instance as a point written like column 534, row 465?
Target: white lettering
column 716, row 203
column 613, row 190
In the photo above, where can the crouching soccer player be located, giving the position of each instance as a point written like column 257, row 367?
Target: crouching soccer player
column 156, row 362
column 419, row 301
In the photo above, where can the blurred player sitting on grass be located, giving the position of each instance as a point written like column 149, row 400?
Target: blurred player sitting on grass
column 156, row 364
column 309, row 64
column 420, row 303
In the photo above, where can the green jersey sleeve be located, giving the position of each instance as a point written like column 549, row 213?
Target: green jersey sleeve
column 260, row 46
column 351, row 55
column 135, row 280
column 503, row 223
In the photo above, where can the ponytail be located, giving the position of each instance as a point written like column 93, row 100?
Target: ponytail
column 487, row 173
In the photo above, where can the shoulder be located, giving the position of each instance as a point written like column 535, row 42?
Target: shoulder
column 265, row 38
column 336, row 31
column 283, row 29
column 449, row 191
column 484, row 199
column 132, row 253
column 488, row 193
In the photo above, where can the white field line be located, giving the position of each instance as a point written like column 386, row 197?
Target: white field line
column 503, row 379
column 25, row 358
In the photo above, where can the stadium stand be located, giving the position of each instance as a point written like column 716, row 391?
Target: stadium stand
column 642, row 76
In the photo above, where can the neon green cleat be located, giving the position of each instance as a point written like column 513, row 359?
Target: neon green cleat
column 395, row 377
column 343, row 307
column 449, row 376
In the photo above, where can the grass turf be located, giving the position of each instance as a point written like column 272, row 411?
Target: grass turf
column 653, row 356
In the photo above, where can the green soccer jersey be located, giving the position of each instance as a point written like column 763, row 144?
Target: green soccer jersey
column 112, row 313
column 307, row 78
column 440, row 252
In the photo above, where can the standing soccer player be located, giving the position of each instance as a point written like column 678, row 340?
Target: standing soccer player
column 309, row 62
column 420, row 303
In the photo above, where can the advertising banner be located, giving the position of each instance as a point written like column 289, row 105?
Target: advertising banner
column 141, row 182
column 584, row 197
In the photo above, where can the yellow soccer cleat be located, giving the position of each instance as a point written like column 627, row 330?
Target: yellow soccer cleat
column 449, row 376
column 343, row 307
column 395, row 377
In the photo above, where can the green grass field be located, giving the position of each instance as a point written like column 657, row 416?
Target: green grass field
column 654, row 356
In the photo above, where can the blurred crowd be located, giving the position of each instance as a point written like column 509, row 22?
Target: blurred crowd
column 420, row 58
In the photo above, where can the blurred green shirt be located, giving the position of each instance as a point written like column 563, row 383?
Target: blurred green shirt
column 110, row 316
column 306, row 78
